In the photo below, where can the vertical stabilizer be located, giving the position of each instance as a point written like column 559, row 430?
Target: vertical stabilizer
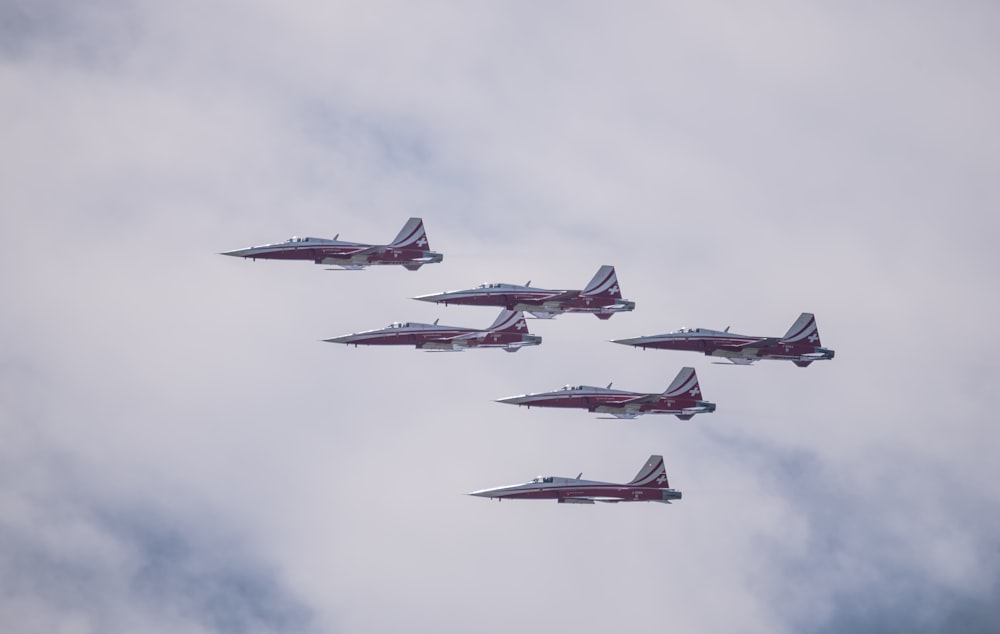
column 653, row 473
column 804, row 330
column 412, row 236
column 605, row 282
column 510, row 321
column 685, row 385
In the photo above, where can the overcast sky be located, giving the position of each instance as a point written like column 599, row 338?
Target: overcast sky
column 179, row 451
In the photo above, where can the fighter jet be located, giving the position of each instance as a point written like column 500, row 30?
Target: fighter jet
column 649, row 485
column 601, row 298
column 800, row 345
column 410, row 249
column 509, row 332
column 682, row 399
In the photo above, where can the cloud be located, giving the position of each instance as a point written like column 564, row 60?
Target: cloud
column 181, row 452
column 78, row 555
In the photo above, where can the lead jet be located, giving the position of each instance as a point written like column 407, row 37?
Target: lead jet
column 602, row 297
column 682, row 399
column 410, row 250
column 509, row 332
column 649, row 485
column 800, row 345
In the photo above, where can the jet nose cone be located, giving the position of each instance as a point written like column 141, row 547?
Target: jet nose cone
column 238, row 253
column 512, row 400
column 626, row 342
column 343, row 339
column 433, row 297
column 484, row 493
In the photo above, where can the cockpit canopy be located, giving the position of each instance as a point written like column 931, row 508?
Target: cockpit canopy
column 298, row 239
column 570, row 388
column 399, row 324
column 541, row 480
column 684, row 329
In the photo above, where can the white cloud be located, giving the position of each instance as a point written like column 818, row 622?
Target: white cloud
column 737, row 167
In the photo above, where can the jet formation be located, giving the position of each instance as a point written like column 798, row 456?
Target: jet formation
column 602, row 297
column 800, row 345
column 509, row 332
column 410, row 250
column 682, row 399
column 649, row 485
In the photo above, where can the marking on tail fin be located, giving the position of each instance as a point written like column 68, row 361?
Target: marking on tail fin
column 411, row 233
column 684, row 384
column 510, row 320
column 652, row 473
column 804, row 328
column 605, row 282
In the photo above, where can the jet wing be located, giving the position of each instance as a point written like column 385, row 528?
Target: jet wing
column 360, row 250
column 756, row 343
column 358, row 257
column 558, row 297
column 554, row 298
column 467, row 337
column 639, row 400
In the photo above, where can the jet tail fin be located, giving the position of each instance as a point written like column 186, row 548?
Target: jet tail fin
column 685, row 385
column 605, row 283
column 803, row 330
column 412, row 235
column 653, row 473
column 510, row 321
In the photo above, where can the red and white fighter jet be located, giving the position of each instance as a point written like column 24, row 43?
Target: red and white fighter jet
column 800, row 345
column 602, row 297
column 649, row 485
column 509, row 332
column 410, row 250
column 682, row 399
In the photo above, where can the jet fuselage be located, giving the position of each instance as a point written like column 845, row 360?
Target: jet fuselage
column 649, row 485
column 620, row 403
column 602, row 297
column 574, row 491
column 336, row 252
column 509, row 332
column 801, row 344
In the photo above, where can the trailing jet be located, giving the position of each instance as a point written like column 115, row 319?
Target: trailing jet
column 509, row 331
column 410, row 249
column 800, row 345
column 649, row 485
column 682, row 399
column 602, row 297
